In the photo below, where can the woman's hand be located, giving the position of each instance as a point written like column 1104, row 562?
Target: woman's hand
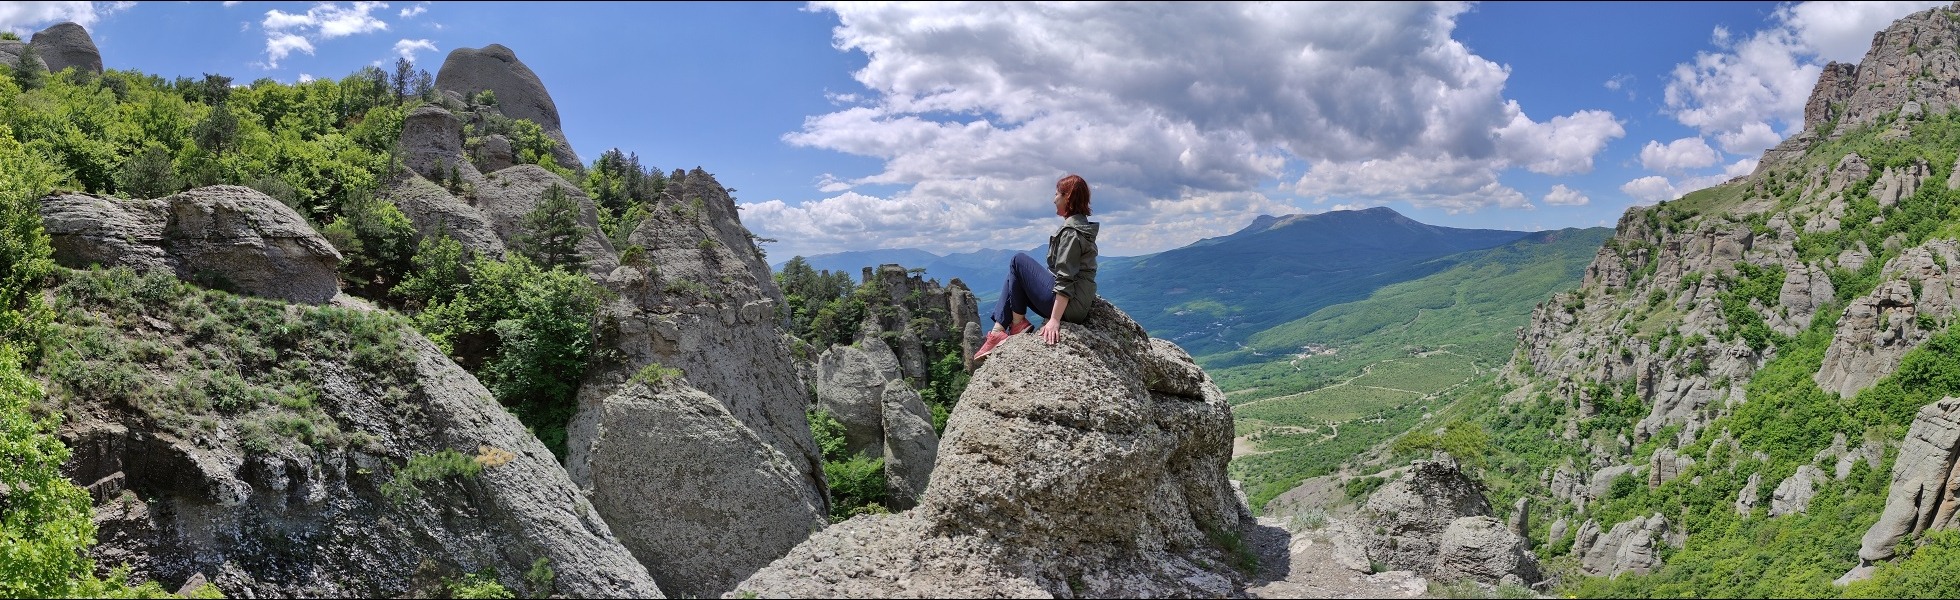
column 1052, row 330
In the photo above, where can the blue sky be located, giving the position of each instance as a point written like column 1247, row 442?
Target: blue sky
column 943, row 126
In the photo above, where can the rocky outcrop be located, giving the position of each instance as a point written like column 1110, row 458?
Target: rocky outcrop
column 1878, row 329
column 910, row 444
column 507, row 196
column 1630, row 547
column 10, row 51
column 850, row 386
column 67, row 45
column 1091, row 468
column 434, row 211
column 1751, row 494
column 1483, row 549
column 706, row 307
column 221, row 236
column 1402, row 523
column 1921, row 496
column 266, row 503
column 520, row 94
column 677, row 476
column 1834, row 86
column 1793, row 495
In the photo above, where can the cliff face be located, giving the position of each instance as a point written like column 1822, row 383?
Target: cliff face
column 1827, row 269
column 703, row 304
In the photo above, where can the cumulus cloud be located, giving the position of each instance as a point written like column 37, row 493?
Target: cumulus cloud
column 1370, row 100
column 286, row 32
column 1764, row 78
column 412, row 11
column 1565, row 196
column 27, row 17
column 1650, row 189
column 1678, row 156
column 408, row 48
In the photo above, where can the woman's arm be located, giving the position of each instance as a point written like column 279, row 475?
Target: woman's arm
column 1052, row 330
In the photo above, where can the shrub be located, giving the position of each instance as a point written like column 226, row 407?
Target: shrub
column 426, row 468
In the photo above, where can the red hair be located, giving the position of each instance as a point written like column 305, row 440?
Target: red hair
column 1076, row 191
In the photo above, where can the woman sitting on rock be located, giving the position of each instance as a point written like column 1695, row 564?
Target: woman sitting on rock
column 1064, row 289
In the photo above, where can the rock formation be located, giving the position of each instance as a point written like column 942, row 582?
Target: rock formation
column 1436, row 521
column 1630, row 547
column 1921, row 496
column 222, row 236
column 309, row 490
column 10, row 51
column 520, row 94
column 67, row 44
column 1109, row 481
column 706, row 308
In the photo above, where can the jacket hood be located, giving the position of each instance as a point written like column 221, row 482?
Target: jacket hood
column 1083, row 224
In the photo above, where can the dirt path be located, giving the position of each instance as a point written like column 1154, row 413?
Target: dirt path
column 1301, row 565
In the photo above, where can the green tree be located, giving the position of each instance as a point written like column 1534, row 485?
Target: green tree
column 438, row 274
column 404, row 77
column 377, row 243
column 29, row 73
column 24, row 250
column 148, row 173
column 553, row 232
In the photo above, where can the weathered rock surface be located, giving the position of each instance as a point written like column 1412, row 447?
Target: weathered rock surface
column 850, row 387
column 1793, row 495
column 910, row 444
column 434, row 211
column 1921, row 496
column 675, row 474
column 226, row 236
column 1630, row 547
column 66, row 45
column 1746, row 500
column 10, row 51
column 1094, row 483
column 177, row 503
column 507, row 196
column 1484, row 549
column 708, row 309
column 520, row 94
column 1878, row 329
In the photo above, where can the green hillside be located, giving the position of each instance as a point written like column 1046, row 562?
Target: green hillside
column 1371, row 368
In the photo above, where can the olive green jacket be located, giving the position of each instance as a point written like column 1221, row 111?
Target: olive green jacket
column 1072, row 258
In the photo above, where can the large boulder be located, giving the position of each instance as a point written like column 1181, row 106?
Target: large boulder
column 1485, row 550
column 1401, row 524
column 225, row 236
column 520, row 94
column 67, row 44
column 850, row 388
column 507, row 196
column 305, row 497
column 681, row 480
column 1923, row 483
column 1093, row 467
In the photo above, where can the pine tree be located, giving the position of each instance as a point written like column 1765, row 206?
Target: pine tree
column 554, row 232
column 404, row 77
column 29, row 73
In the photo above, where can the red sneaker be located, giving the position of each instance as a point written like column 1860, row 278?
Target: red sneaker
column 1020, row 327
column 994, row 338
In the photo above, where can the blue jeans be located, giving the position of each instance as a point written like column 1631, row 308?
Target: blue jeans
column 1029, row 285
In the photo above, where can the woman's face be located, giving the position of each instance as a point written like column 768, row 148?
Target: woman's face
column 1061, row 204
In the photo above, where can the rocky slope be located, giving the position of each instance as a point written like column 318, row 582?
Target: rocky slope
column 1747, row 333
column 284, row 450
column 1094, row 467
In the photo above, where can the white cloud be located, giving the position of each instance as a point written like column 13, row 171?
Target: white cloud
column 278, row 45
column 1650, row 189
column 1369, row 98
column 1678, row 156
column 286, row 32
column 27, row 17
column 408, row 48
column 1565, row 196
column 231, row 3
column 412, row 11
column 1765, row 77
column 1750, row 139
column 305, row 78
